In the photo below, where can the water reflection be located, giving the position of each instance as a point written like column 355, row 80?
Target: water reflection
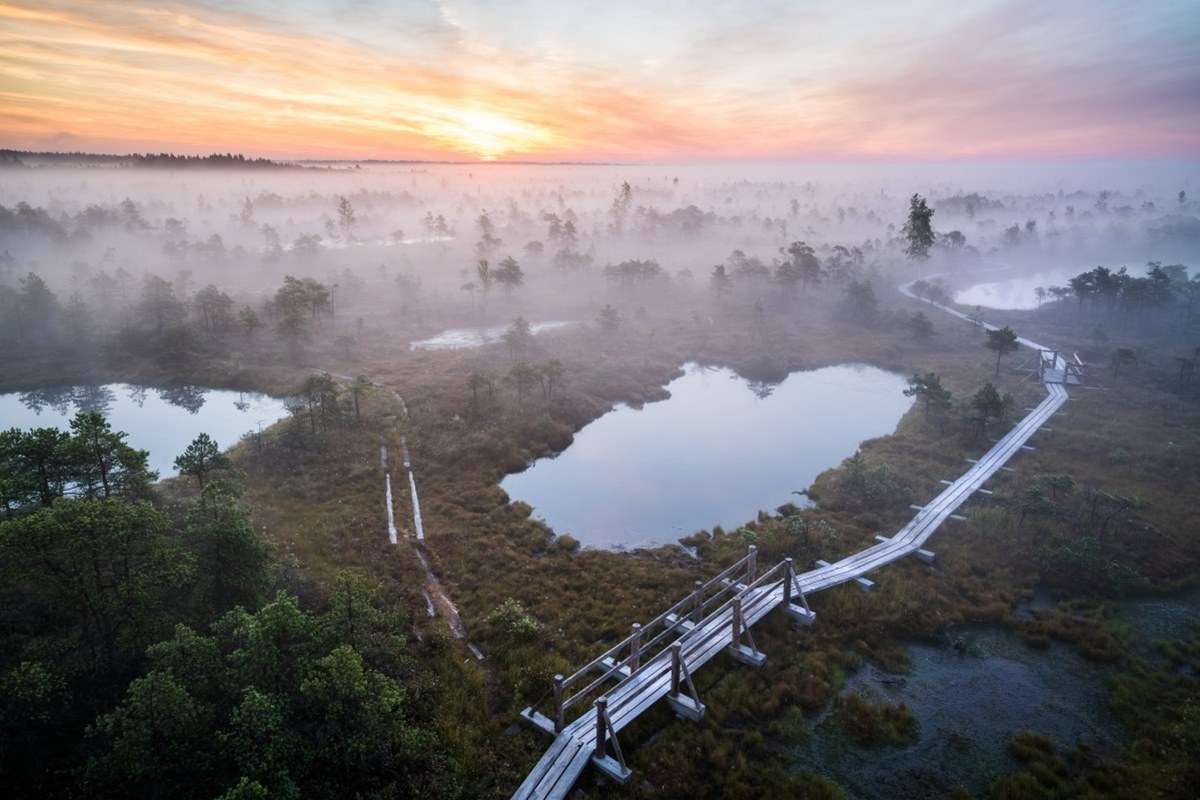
column 1017, row 292
column 184, row 396
column 719, row 450
column 160, row 420
column 93, row 398
column 458, row 338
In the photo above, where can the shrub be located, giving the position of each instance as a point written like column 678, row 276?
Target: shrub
column 511, row 621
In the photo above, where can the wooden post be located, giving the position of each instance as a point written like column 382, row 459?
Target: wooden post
column 697, row 600
column 601, row 726
column 752, row 565
column 558, row 706
column 787, row 582
column 737, row 620
column 675, row 657
column 635, row 646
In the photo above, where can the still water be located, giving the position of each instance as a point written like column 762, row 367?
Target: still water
column 969, row 701
column 161, row 420
column 967, row 704
column 1018, row 292
column 458, row 338
column 716, row 452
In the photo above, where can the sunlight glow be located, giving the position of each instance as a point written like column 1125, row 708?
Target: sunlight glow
column 487, row 134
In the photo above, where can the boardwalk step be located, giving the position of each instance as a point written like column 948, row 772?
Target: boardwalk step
column 686, row 707
column 539, row 721
column 741, row 587
column 612, row 768
column 747, row 655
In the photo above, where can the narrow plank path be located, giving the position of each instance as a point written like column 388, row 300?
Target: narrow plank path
column 575, row 745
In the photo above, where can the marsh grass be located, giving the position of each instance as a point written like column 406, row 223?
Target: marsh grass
column 322, row 506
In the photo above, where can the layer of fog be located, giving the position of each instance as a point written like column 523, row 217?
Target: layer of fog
column 400, row 245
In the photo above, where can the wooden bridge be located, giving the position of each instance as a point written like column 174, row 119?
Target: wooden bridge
column 657, row 660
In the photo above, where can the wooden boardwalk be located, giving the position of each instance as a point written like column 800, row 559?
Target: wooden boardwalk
column 657, row 659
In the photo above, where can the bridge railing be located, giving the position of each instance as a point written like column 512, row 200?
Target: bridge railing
column 745, row 600
column 626, row 656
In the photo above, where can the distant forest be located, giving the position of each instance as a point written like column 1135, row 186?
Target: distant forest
column 25, row 158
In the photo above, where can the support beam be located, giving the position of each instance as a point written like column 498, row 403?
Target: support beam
column 541, row 721
column 976, row 461
column 684, row 706
column 613, row 768
column 923, row 555
column 746, row 653
column 860, row 582
column 799, row 613
column 958, row 517
column 608, row 663
column 685, row 625
column 538, row 720
column 981, row 490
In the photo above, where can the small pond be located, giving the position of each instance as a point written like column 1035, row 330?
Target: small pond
column 458, row 338
column 968, row 703
column 1016, row 292
column 969, row 700
column 161, row 420
column 716, row 452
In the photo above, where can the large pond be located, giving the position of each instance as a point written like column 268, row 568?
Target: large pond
column 715, row 453
column 458, row 338
column 161, row 420
column 1017, row 291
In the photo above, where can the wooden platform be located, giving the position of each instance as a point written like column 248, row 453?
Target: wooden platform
column 646, row 676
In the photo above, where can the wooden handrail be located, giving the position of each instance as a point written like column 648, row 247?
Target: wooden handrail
column 564, row 701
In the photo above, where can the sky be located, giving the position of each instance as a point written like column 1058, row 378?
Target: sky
column 649, row 80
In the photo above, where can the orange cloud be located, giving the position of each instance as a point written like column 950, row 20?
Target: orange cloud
column 136, row 75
